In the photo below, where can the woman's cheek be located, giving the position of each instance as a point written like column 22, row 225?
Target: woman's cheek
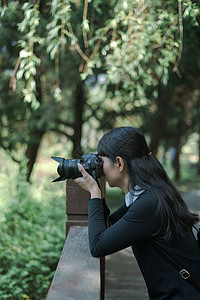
column 106, row 174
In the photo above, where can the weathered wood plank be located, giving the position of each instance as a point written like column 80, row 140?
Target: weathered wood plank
column 78, row 273
column 123, row 277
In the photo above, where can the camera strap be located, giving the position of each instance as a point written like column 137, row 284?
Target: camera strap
column 184, row 274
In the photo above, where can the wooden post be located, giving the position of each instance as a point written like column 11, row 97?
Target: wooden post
column 76, row 205
column 77, row 215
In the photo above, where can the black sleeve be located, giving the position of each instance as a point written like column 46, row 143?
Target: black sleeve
column 114, row 217
column 118, row 214
column 135, row 225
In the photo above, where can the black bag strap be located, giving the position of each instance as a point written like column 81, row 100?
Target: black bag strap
column 185, row 274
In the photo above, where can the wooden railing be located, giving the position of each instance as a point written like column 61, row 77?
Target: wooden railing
column 78, row 274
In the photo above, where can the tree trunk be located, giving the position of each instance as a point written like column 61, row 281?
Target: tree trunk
column 78, row 122
column 198, row 164
column 198, row 130
column 178, row 145
column 32, row 150
column 160, row 118
column 35, row 133
column 177, row 162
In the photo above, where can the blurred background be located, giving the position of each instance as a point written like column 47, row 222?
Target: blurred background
column 70, row 71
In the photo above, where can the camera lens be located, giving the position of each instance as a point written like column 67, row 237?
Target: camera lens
column 68, row 169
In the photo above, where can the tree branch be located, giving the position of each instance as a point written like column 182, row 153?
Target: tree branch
column 58, row 121
column 57, row 130
column 84, row 19
column 9, row 153
column 97, row 46
column 13, row 79
column 78, row 48
column 142, row 9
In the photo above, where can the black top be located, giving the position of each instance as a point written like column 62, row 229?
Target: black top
column 135, row 226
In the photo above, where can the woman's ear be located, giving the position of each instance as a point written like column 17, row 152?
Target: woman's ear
column 120, row 163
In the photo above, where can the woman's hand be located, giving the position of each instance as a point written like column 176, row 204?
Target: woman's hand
column 88, row 183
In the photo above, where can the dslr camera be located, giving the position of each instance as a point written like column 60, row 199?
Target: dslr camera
column 68, row 168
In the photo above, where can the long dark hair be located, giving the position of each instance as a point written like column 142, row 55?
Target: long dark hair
column 146, row 171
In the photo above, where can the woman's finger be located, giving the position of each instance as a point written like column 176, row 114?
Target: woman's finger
column 80, row 167
column 82, row 170
column 81, row 183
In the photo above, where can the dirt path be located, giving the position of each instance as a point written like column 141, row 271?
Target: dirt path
column 193, row 200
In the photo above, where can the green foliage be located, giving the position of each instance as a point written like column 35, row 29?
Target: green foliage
column 138, row 48
column 58, row 34
column 191, row 11
column 29, row 60
column 144, row 44
column 32, row 237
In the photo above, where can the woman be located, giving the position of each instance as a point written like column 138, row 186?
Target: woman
column 153, row 213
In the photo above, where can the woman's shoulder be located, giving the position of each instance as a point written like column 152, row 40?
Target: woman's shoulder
column 147, row 201
column 148, row 195
column 144, row 207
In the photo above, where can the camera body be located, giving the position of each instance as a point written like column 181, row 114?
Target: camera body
column 68, row 168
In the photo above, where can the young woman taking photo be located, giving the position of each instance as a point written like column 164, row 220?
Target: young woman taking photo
column 154, row 220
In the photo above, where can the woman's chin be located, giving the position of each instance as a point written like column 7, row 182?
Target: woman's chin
column 111, row 185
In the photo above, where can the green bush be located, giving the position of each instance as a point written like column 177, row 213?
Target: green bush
column 32, row 237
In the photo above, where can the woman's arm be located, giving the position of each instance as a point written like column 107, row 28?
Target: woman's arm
column 114, row 217
column 136, row 225
column 118, row 214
